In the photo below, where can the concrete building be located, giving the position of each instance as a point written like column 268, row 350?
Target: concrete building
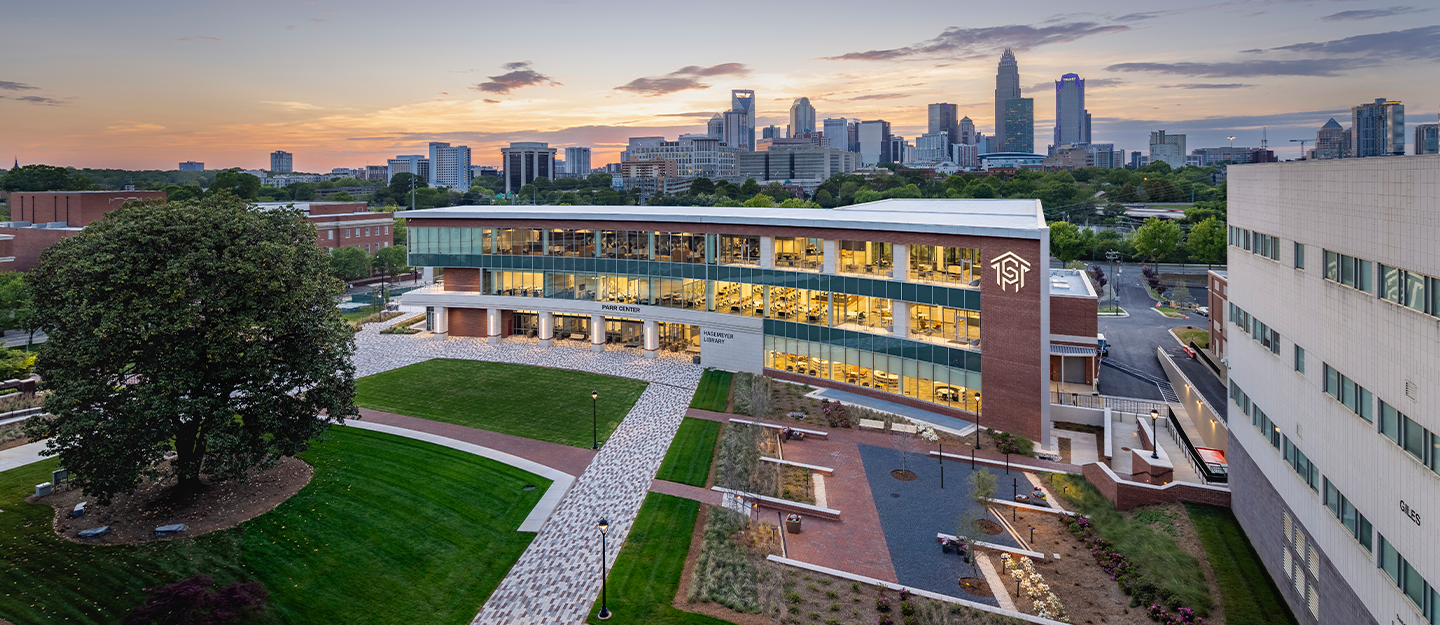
column 837, row 133
column 1019, row 125
column 742, row 102
column 282, row 162
column 795, row 163
column 1212, row 156
column 1329, row 141
column 345, row 224
column 802, row 117
column 874, row 142
column 1007, row 87
column 577, row 162
column 1334, row 442
column 1072, row 121
column 695, row 155
column 966, row 156
column 377, row 172
column 967, row 132
column 716, row 127
column 1217, row 292
column 414, row 164
column 1167, row 147
column 900, row 150
column 450, row 166
column 1377, row 129
column 772, row 132
column 192, row 166
column 933, row 147
column 524, row 161
column 1427, row 138
column 942, row 118
column 883, row 301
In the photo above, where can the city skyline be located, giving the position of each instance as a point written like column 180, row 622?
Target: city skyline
column 228, row 86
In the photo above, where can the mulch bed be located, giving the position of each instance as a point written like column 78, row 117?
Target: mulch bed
column 133, row 518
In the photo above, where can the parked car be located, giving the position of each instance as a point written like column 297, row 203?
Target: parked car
column 1203, row 311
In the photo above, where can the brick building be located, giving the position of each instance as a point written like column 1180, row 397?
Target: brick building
column 346, row 224
column 883, row 299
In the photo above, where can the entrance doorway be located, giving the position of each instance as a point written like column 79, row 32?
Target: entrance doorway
column 627, row 332
column 573, row 327
column 679, row 337
column 526, row 323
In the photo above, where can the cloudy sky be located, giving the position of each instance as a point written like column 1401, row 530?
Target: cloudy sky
column 145, row 84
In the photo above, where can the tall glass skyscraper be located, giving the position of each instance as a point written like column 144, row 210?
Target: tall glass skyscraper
column 942, row 119
column 837, row 133
column 1070, row 114
column 742, row 101
column 1019, row 120
column 1007, row 87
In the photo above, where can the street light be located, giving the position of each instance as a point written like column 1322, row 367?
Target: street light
column 1154, row 437
column 595, row 417
column 604, row 608
column 977, row 419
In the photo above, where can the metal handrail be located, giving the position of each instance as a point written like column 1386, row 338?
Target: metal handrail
column 1183, row 440
column 1101, row 402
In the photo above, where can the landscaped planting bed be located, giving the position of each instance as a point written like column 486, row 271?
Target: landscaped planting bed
column 534, row 402
column 389, row 530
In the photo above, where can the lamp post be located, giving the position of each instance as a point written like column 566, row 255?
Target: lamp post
column 1154, row 437
column 595, row 417
column 604, row 609
column 977, row 417
column 1112, row 256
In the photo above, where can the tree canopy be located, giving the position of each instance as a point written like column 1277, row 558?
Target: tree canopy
column 1157, row 238
column 44, row 178
column 235, row 182
column 207, row 326
column 349, row 263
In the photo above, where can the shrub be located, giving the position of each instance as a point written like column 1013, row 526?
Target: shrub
column 882, row 604
column 197, row 601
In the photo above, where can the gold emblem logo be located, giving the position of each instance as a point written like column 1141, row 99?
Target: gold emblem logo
column 1010, row 269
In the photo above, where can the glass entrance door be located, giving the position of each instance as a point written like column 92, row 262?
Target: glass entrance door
column 526, row 324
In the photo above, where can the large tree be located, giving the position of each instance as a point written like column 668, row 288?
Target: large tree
column 44, row 178
column 236, row 182
column 349, row 263
column 208, row 327
column 1156, row 238
column 1207, row 240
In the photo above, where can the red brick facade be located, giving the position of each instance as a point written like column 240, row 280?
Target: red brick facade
column 468, row 322
column 351, row 224
column 76, row 208
column 462, row 279
column 29, row 243
column 1074, row 316
column 1126, row 494
column 1014, row 341
column 1219, row 302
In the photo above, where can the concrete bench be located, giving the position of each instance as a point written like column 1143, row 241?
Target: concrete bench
column 809, row 467
column 94, row 532
column 166, row 530
column 902, row 428
column 825, row 435
column 871, row 424
column 784, row 505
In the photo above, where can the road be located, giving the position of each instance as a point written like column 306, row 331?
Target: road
column 1132, row 340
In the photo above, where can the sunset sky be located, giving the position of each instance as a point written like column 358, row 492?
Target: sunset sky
column 146, row 84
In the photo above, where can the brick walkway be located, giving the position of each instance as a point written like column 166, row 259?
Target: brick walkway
column 864, row 551
column 554, row 582
column 702, row 495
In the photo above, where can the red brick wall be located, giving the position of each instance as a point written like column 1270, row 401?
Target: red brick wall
column 338, row 208
column 74, row 208
column 462, row 279
column 1012, row 337
column 1218, row 301
column 1143, row 471
column 1075, row 316
column 507, row 322
column 29, row 243
column 1126, row 495
column 842, row 234
column 467, row 321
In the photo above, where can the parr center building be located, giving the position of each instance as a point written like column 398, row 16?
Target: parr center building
column 885, row 299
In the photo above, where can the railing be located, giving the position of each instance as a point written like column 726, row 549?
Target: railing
column 1206, row 357
column 1210, row 476
column 1101, row 402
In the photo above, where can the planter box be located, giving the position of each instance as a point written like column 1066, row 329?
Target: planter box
column 792, row 527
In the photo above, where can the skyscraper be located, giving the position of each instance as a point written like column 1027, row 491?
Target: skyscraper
column 942, row 119
column 1007, row 87
column 1329, row 140
column 525, row 161
column 1427, row 140
column 1019, row 120
column 192, row 166
column 415, row 164
column 742, row 101
column 449, row 166
column 874, row 140
column 802, row 117
column 1070, row 114
column 967, row 131
column 836, row 134
column 772, row 132
column 716, row 127
column 735, row 131
column 577, row 161
column 281, row 162
column 1378, row 129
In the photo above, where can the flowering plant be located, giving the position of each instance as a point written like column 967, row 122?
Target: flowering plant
column 905, row 594
column 882, row 604
column 792, row 518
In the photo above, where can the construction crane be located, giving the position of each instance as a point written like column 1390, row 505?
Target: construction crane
column 1302, row 143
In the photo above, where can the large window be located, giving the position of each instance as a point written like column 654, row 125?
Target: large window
column 625, row 244
column 924, row 381
column 1407, row 579
column 1355, row 397
column 739, row 250
column 799, row 253
column 1356, row 523
column 939, row 324
column 946, row 265
column 517, row 241
column 866, row 314
column 680, row 247
column 1301, row 464
column 1349, row 271
column 738, row 298
column 866, row 258
column 518, row 283
column 572, row 243
column 1299, row 255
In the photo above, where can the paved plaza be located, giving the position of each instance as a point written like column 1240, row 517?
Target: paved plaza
column 557, row 578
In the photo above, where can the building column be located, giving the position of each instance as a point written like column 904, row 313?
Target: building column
column 652, row 339
column 597, row 333
column 900, row 318
column 442, row 320
column 900, row 262
column 831, row 249
column 767, row 252
column 428, row 275
column 547, row 328
column 492, row 327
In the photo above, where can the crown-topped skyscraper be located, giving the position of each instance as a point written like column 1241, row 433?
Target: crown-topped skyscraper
column 1007, row 87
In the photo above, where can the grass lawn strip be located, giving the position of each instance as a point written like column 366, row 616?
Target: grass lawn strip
column 533, row 402
column 646, row 575
column 691, row 453
column 713, row 393
column 389, row 530
column 1247, row 590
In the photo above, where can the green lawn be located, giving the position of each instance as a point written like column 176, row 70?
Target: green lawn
column 534, row 402
column 1200, row 337
column 1160, row 559
column 647, row 573
column 389, row 530
column 713, row 394
column 1246, row 589
column 691, row 453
